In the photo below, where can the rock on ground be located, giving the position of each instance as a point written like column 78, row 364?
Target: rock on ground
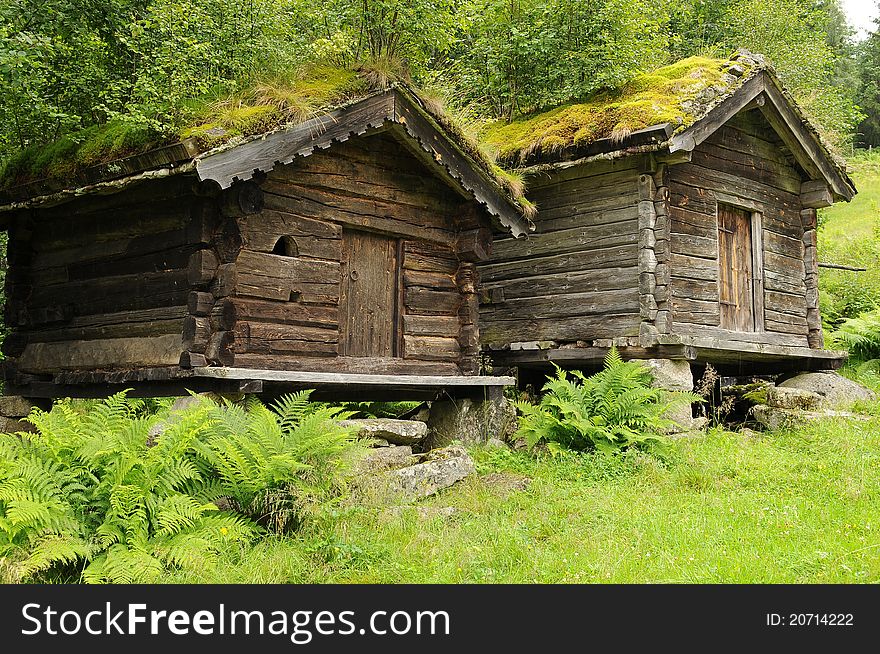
column 14, row 425
column 836, row 390
column 439, row 469
column 671, row 374
column 398, row 432
column 506, row 483
column 380, row 459
column 674, row 375
column 781, row 397
column 776, row 418
column 180, row 404
column 470, row 421
column 15, row 406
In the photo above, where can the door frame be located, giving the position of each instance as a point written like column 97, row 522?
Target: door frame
column 756, row 227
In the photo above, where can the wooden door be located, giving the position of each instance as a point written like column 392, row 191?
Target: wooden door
column 735, row 262
column 369, row 310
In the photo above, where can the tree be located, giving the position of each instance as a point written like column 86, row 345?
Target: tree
column 869, row 88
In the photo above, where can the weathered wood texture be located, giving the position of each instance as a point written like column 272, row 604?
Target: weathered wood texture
column 356, row 259
column 353, row 259
column 577, row 276
column 103, row 282
column 736, row 296
column 743, row 165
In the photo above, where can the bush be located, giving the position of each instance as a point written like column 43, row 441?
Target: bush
column 610, row 411
column 107, row 493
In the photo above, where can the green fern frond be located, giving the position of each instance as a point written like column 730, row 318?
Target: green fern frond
column 611, row 410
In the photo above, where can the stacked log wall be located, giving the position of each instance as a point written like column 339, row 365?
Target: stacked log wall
column 277, row 305
column 102, row 282
column 576, row 278
column 743, row 164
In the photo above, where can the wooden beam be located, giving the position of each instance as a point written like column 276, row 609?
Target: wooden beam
column 745, row 350
column 585, row 355
column 815, row 194
column 322, row 378
column 709, row 124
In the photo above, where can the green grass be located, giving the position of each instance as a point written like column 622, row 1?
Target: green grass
column 849, row 234
column 849, row 221
column 727, row 507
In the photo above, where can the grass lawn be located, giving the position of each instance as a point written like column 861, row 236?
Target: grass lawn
column 854, row 220
column 801, row 507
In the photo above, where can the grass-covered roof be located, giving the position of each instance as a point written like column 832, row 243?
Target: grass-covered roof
column 81, row 158
column 677, row 94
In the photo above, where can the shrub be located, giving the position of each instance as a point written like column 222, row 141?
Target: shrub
column 111, row 495
column 610, row 411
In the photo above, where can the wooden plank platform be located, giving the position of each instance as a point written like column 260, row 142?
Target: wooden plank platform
column 175, row 381
column 353, row 379
column 740, row 356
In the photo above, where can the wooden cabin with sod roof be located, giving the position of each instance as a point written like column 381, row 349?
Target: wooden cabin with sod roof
column 335, row 253
column 676, row 219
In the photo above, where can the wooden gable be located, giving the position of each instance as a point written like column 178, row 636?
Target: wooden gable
column 826, row 182
column 393, row 110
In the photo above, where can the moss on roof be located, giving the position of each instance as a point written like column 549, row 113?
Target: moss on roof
column 679, row 93
column 258, row 109
column 261, row 108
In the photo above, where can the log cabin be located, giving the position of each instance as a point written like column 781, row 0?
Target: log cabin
column 336, row 253
column 676, row 219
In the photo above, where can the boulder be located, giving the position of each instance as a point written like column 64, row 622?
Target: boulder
column 15, row 406
column 505, row 483
column 14, row 425
column 835, row 390
column 673, row 375
column 380, row 459
column 470, row 421
column 781, row 397
column 397, row 432
column 180, row 404
column 776, row 418
column 438, row 469
column 496, row 444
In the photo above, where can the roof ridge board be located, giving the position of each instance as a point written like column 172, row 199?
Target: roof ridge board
column 520, row 225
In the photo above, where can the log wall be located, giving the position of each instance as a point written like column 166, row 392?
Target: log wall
column 742, row 164
column 102, row 282
column 577, row 276
column 277, row 301
column 174, row 273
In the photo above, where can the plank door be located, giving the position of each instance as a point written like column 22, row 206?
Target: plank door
column 735, row 261
column 369, row 309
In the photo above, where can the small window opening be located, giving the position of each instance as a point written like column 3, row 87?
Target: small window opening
column 286, row 247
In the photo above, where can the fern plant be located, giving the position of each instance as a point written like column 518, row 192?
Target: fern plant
column 97, row 490
column 860, row 335
column 610, row 411
column 278, row 465
column 381, row 409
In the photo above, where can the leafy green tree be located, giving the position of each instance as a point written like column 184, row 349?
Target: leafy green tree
column 518, row 55
column 869, row 89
